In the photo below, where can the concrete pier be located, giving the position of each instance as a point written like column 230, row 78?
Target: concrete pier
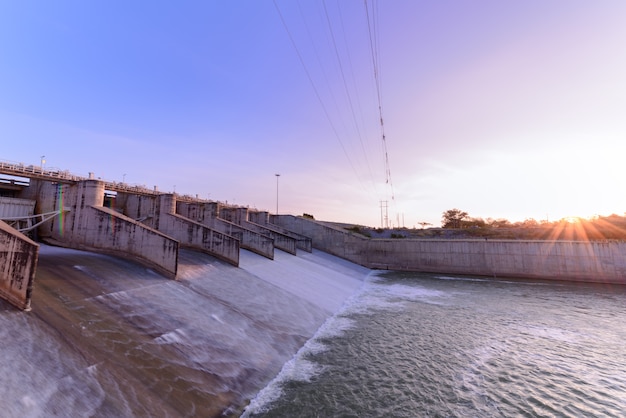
column 194, row 234
column 263, row 219
column 18, row 262
column 159, row 212
column 239, row 216
column 86, row 224
column 206, row 213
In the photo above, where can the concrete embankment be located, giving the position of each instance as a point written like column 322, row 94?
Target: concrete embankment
column 108, row 337
column 589, row 261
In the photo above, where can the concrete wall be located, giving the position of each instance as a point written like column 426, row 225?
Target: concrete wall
column 206, row 214
column 258, row 217
column 239, row 216
column 281, row 241
column 262, row 218
column 11, row 207
column 90, row 226
column 18, row 261
column 194, row 234
column 141, row 208
column 233, row 214
column 562, row 260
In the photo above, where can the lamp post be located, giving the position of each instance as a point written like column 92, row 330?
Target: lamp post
column 277, row 176
column 43, row 161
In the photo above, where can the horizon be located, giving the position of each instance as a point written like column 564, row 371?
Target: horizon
column 505, row 111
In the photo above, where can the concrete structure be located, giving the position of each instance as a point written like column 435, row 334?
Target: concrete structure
column 149, row 226
column 18, row 213
column 18, row 262
column 87, row 225
column 159, row 212
column 195, row 234
column 206, row 213
column 263, row 219
column 284, row 241
column 588, row 261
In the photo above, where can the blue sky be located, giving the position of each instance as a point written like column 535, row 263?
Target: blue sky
column 503, row 109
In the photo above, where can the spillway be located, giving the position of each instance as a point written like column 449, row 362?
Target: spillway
column 108, row 337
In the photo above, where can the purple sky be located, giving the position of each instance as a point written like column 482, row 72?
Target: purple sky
column 504, row 109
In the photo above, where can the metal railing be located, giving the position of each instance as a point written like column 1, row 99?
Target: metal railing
column 54, row 174
column 28, row 223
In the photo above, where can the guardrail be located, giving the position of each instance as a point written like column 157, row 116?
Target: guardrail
column 22, row 170
column 55, row 174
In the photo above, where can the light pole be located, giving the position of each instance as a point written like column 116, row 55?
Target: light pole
column 43, row 161
column 277, row 176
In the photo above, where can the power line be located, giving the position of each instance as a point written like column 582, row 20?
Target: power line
column 376, row 65
column 316, row 91
column 343, row 79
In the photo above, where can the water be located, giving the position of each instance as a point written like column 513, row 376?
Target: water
column 412, row 345
column 110, row 338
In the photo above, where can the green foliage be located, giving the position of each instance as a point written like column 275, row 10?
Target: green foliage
column 308, row 216
column 453, row 218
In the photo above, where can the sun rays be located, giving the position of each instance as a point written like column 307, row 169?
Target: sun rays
column 597, row 229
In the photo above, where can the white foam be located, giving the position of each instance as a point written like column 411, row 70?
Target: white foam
column 177, row 336
column 552, row 333
column 308, row 276
column 34, row 372
column 217, row 318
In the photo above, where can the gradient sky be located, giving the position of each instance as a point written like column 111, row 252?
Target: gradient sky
column 504, row 109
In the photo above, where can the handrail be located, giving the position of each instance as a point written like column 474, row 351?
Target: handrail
column 55, row 174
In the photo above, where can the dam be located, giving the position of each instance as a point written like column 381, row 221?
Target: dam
column 150, row 227
column 153, row 304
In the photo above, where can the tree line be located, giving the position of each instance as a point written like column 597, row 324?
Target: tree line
column 459, row 219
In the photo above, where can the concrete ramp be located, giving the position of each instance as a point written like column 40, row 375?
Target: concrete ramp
column 18, row 261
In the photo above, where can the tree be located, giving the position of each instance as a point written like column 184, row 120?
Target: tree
column 453, row 218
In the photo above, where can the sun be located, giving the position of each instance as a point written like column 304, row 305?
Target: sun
column 573, row 219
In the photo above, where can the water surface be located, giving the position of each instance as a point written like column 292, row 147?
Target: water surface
column 430, row 345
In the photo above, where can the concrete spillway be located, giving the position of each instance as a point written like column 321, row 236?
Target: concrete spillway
column 110, row 337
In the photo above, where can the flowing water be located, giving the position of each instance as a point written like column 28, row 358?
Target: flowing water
column 110, row 338
column 413, row 345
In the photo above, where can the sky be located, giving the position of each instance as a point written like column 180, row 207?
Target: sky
column 503, row 109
